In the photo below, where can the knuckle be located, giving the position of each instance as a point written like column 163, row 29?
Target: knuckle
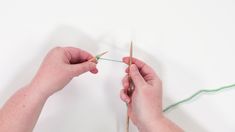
column 70, row 72
column 90, row 66
column 56, row 48
column 135, row 74
column 83, row 68
column 158, row 82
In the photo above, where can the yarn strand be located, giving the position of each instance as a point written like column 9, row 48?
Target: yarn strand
column 168, row 108
column 198, row 93
column 109, row 60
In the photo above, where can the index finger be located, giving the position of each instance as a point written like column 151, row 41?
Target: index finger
column 145, row 69
column 77, row 55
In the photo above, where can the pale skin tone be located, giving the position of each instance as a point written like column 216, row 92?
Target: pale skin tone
column 145, row 104
column 20, row 113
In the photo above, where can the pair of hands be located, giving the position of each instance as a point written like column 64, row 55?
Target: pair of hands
column 63, row 63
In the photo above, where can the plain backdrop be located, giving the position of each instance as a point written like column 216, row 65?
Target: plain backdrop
column 190, row 44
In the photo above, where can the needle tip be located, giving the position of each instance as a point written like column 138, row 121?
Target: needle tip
column 99, row 55
column 102, row 54
column 94, row 59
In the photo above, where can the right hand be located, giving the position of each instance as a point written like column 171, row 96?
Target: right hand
column 145, row 104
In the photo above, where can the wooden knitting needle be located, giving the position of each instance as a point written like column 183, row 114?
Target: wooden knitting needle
column 131, row 88
column 95, row 58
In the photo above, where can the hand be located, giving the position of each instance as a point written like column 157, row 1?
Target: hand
column 58, row 68
column 145, row 104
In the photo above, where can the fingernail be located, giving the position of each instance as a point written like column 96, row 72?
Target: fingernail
column 94, row 71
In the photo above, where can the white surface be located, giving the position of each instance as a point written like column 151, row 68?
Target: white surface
column 189, row 43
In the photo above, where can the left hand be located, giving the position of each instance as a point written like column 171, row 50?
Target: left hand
column 59, row 67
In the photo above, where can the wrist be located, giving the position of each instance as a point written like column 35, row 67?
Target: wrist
column 39, row 89
column 31, row 95
column 151, row 125
column 160, row 124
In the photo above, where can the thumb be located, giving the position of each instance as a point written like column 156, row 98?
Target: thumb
column 84, row 67
column 136, row 77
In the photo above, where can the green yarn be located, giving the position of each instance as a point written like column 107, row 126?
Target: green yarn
column 198, row 93
column 170, row 107
column 99, row 58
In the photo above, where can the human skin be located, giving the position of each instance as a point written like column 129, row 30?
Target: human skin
column 145, row 103
column 20, row 113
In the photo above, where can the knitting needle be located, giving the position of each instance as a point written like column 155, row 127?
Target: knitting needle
column 95, row 58
column 131, row 88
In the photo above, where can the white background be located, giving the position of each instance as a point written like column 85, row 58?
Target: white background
column 190, row 43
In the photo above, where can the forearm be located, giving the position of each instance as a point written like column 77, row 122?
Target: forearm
column 21, row 111
column 162, row 125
